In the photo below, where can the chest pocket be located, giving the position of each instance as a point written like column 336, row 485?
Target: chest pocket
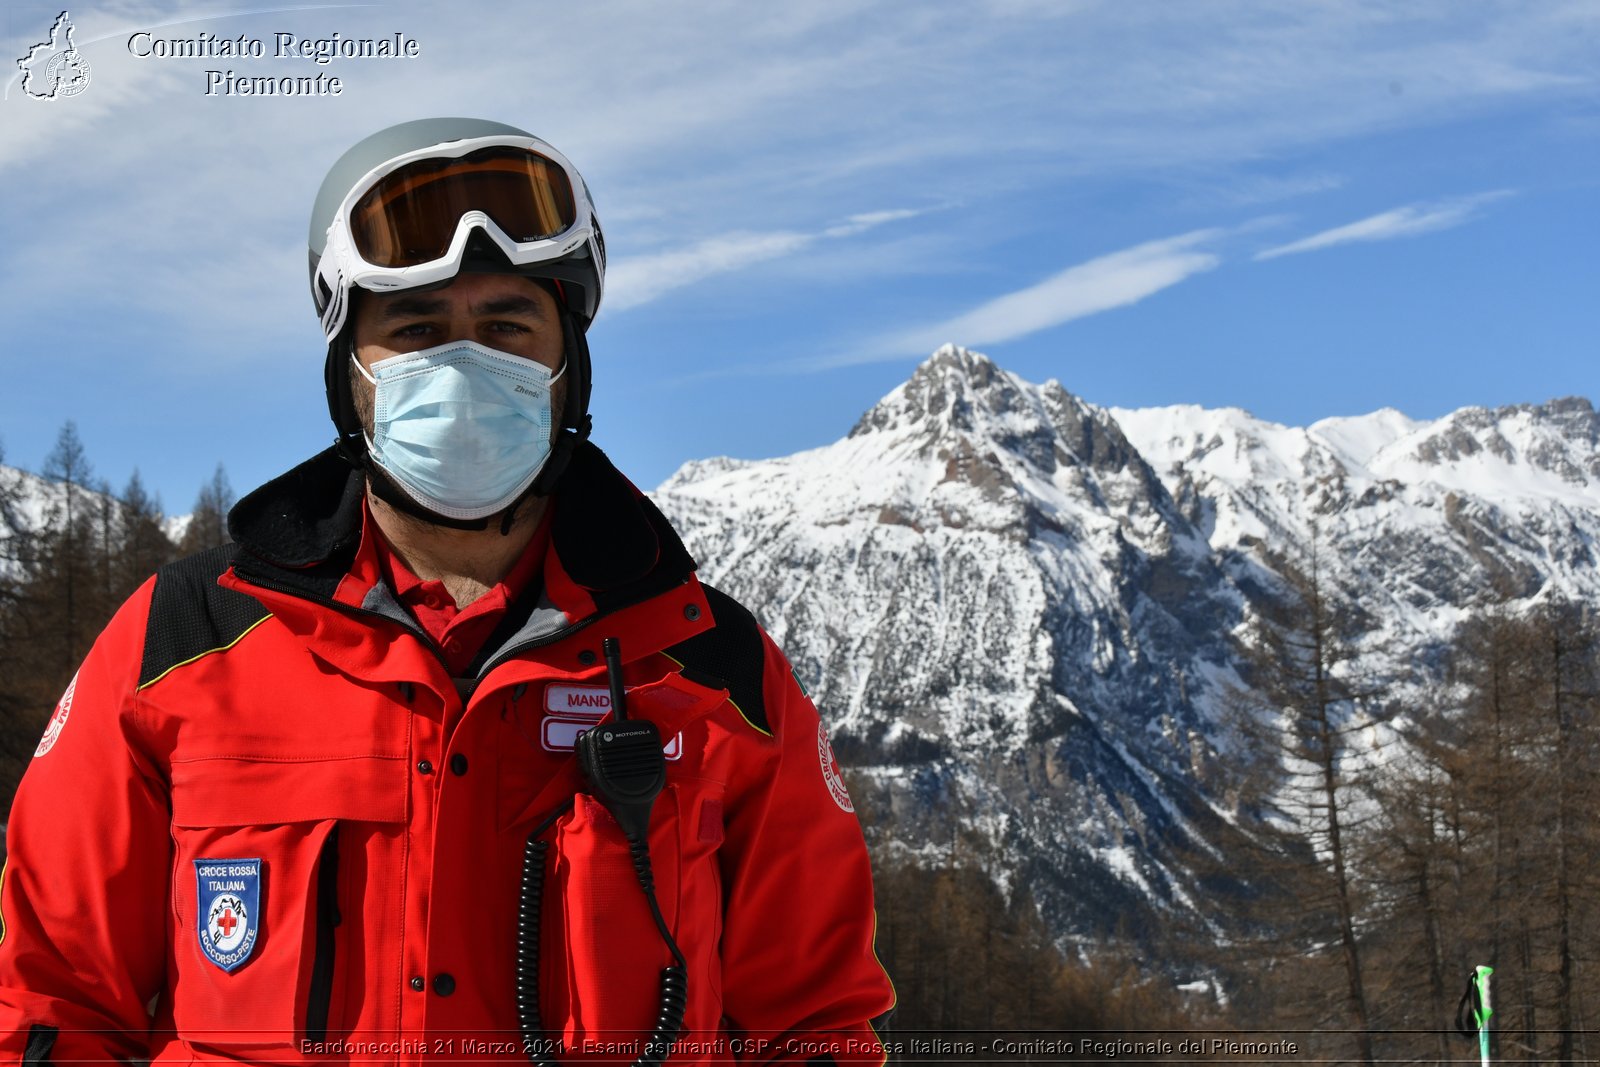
column 259, row 957
column 600, row 953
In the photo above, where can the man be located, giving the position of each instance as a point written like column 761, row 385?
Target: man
column 450, row 755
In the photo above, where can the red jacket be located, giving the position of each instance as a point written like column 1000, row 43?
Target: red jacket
column 265, row 823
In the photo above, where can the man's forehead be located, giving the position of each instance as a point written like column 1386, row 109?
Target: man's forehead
column 496, row 294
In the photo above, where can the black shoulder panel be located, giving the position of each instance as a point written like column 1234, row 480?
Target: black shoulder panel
column 41, row 1042
column 190, row 614
column 728, row 656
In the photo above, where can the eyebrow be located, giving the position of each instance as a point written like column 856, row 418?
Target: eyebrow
column 406, row 307
column 510, row 305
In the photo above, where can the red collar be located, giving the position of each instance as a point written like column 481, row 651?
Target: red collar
column 458, row 631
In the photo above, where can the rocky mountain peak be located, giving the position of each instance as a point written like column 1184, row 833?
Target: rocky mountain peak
column 1561, row 437
column 1026, row 451
column 947, row 392
column 957, row 393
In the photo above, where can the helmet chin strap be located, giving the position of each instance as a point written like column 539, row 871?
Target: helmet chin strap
column 574, row 431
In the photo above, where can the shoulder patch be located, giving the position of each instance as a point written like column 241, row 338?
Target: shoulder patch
column 191, row 615
column 729, row 656
column 58, row 720
column 832, row 773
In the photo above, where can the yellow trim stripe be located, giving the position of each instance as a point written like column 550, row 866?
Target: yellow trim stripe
column 203, row 655
column 746, row 718
column 887, row 977
column 736, row 707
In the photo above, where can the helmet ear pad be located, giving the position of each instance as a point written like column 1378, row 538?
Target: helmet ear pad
column 351, row 439
column 575, row 421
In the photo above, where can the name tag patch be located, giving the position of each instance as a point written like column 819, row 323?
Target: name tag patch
column 570, row 710
column 228, row 909
column 589, row 702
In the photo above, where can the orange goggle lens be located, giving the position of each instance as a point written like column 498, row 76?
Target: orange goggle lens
column 410, row 216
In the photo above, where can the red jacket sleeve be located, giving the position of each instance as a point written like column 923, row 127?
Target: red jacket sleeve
column 801, row 979
column 83, row 899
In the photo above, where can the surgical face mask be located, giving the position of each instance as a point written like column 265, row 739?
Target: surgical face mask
column 463, row 429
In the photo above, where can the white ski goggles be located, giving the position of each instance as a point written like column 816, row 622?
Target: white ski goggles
column 407, row 222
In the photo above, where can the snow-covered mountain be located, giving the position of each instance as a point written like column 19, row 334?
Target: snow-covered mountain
column 1427, row 518
column 1014, row 608
column 30, row 494
column 33, row 498
column 29, row 499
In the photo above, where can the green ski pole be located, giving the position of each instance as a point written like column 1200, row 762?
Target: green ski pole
column 1483, row 1010
column 1477, row 996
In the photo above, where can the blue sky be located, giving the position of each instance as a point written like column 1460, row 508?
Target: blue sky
column 1302, row 209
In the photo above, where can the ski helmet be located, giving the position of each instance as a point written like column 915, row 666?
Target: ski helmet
column 416, row 204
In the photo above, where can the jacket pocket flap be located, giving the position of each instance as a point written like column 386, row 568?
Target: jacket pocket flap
column 233, row 791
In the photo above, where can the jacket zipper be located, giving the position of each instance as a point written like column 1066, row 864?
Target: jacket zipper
column 328, row 918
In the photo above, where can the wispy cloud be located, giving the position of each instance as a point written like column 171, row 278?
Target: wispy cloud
column 1408, row 221
column 1101, row 284
column 860, row 223
column 641, row 279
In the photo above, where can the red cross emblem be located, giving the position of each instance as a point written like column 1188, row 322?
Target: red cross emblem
column 228, row 894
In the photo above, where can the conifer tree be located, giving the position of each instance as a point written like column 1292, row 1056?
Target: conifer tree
column 14, row 554
column 1300, row 777
column 208, row 524
column 59, row 599
column 1484, row 849
column 13, row 530
column 67, row 550
column 144, row 544
column 1409, row 856
column 1563, row 667
column 1499, row 773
